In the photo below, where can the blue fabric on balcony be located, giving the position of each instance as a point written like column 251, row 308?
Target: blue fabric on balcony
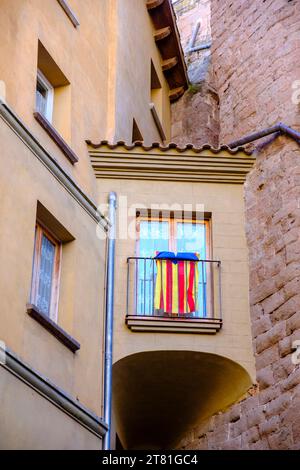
column 176, row 257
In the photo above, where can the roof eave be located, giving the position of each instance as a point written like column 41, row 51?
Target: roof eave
column 163, row 18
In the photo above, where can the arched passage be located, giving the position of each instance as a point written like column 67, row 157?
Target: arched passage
column 159, row 395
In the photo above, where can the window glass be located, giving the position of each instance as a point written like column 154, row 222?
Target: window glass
column 169, row 235
column 45, row 275
column 44, row 96
column 191, row 237
column 41, row 98
column 154, row 236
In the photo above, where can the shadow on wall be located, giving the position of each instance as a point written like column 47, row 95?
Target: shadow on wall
column 159, row 396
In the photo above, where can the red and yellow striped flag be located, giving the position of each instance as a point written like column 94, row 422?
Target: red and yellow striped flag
column 176, row 286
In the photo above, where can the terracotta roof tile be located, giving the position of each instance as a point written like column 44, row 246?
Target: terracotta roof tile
column 170, row 146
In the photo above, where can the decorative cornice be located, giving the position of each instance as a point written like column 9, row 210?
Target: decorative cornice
column 52, row 165
column 56, row 395
column 170, row 163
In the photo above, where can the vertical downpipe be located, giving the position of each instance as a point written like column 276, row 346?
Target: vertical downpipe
column 109, row 314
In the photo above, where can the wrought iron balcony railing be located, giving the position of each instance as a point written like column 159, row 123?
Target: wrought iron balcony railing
column 142, row 288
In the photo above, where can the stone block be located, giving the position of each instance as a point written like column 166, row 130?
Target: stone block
column 269, row 426
column 265, row 377
column 271, row 337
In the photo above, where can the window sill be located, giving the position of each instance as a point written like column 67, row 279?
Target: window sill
column 53, row 328
column 70, row 14
column 173, row 325
column 157, row 122
column 56, row 137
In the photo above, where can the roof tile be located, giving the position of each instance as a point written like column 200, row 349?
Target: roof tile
column 171, row 145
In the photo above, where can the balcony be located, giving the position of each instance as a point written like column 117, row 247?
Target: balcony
column 202, row 315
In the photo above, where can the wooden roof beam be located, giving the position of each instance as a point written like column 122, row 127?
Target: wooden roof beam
column 151, row 4
column 169, row 63
column 176, row 93
column 162, row 33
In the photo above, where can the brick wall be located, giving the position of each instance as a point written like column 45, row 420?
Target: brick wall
column 255, row 56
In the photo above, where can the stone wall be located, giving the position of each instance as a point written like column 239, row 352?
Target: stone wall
column 255, row 55
column 270, row 419
column 195, row 117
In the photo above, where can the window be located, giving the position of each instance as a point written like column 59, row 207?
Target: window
column 46, row 272
column 174, row 235
column 44, row 96
column 53, row 102
column 43, row 305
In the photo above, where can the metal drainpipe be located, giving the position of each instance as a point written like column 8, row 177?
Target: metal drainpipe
column 279, row 129
column 109, row 313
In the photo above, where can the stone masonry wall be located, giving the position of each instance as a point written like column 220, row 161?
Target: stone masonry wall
column 255, row 56
column 195, row 117
column 270, row 419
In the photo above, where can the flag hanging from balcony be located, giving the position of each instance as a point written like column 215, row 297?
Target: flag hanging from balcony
column 176, row 286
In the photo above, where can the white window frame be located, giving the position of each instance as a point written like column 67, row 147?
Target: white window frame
column 49, row 96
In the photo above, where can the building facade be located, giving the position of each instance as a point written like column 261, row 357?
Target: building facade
column 159, row 357
column 70, row 72
column 175, row 198
column 86, row 110
column 53, row 265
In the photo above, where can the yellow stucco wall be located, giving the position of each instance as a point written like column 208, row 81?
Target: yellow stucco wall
column 29, row 421
column 133, row 78
column 225, row 202
column 81, row 55
column 109, row 75
column 24, row 180
column 109, row 80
